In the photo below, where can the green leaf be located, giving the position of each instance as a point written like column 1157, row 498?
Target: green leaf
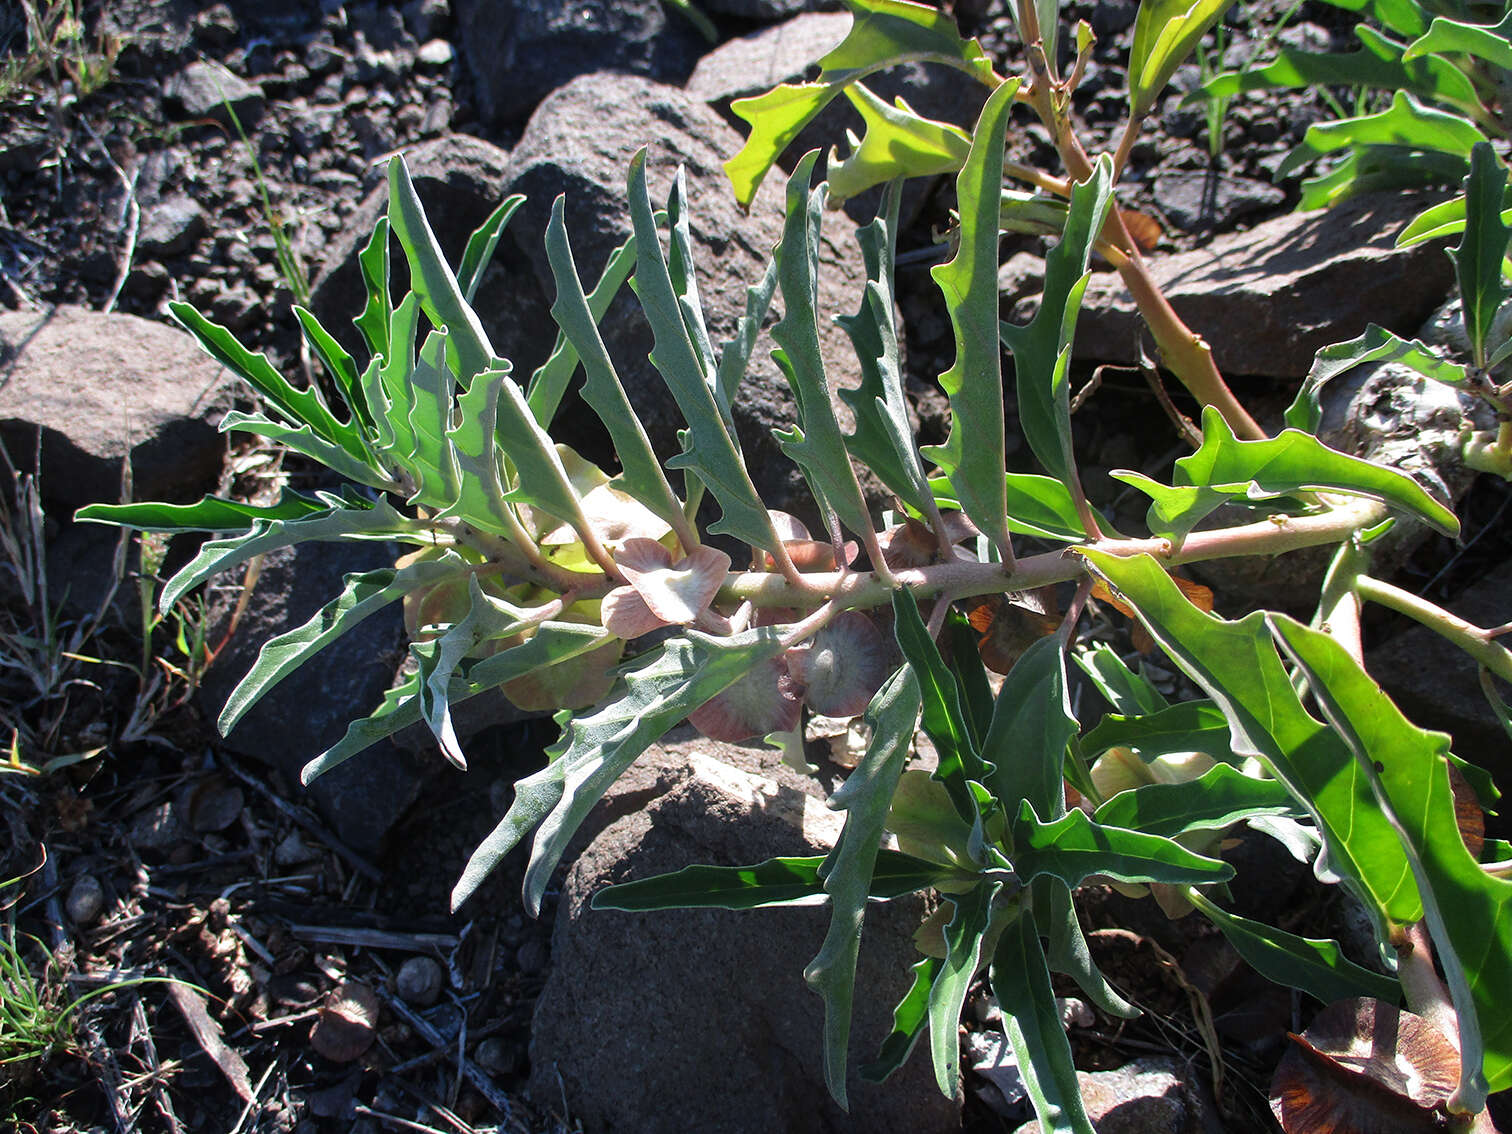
column 679, row 676
column 684, row 275
column 361, row 595
column 373, row 262
column 1220, row 797
column 1405, row 17
column 468, row 351
column 943, row 715
column 1042, row 348
column 1190, row 726
column 709, row 449
column 641, row 474
column 1406, row 123
column 849, row 869
column 1032, row 723
column 1478, row 259
column 1032, row 213
column 1316, row 966
column 883, row 438
column 1380, row 64
column 1467, row 910
column 974, row 453
column 964, row 937
column 1032, row 1022
column 1372, row 169
column 1226, row 468
column 882, row 34
column 924, row 819
column 1237, row 666
column 1376, row 345
column 814, row 443
column 1073, row 848
column 1037, row 505
column 338, row 364
column 303, row 439
column 380, row 521
column 299, row 407
column 481, row 244
column 910, row 1018
column 549, row 383
column 1131, row 694
column 542, row 480
column 897, row 142
column 1068, row 952
column 208, row 514
column 432, row 388
column 960, row 646
column 553, row 643
column 393, row 395
column 735, row 355
column 1165, row 33
column 1446, row 36
column 472, row 438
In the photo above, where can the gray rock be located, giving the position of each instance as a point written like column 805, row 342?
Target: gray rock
column 1269, row 298
column 1021, row 274
column 1145, row 1096
column 203, row 90
column 171, row 227
column 100, row 388
column 435, row 53
column 753, row 64
column 579, row 143
column 426, row 19
column 1196, row 201
column 766, row 10
column 701, row 1020
column 308, row 712
column 156, row 828
column 419, row 981
column 86, row 898
column 518, row 51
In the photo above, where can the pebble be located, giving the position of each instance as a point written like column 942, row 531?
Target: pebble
column 292, row 850
column 532, row 957
column 496, row 1056
column 86, row 898
column 419, row 981
column 435, row 53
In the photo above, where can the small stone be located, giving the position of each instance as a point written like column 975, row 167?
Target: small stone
column 532, row 957
column 497, row 1056
column 419, row 981
column 435, row 53
column 171, row 227
column 205, row 90
column 155, row 829
column 347, row 1023
column 86, row 898
column 426, row 18
column 292, row 850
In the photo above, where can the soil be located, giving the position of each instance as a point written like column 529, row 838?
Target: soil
column 219, row 875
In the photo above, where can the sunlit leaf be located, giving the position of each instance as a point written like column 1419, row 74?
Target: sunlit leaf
column 1406, row 123
column 896, row 142
column 1478, row 259
column 1074, row 847
column 1165, row 33
column 964, row 938
column 1190, row 726
column 910, row 1018
column 1218, row 798
column 1376, row 345
column 1447, row 36
column 378, row 307
column 208, row 514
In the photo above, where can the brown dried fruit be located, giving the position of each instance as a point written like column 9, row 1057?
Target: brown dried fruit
column 347, row 1023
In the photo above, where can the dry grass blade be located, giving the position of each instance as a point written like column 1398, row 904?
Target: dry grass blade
column 207, row 1033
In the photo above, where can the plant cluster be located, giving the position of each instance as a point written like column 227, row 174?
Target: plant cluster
column 602, row 590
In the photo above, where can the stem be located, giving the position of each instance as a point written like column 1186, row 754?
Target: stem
column 1339, row 604
column 1424, row 992
column 1474, row 640
column 1126, row 143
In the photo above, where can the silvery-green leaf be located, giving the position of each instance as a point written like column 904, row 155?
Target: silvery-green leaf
column 549, row 383
column 481, row 244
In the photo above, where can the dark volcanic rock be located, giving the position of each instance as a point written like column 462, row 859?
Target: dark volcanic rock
column 1203, row 201
column 99, row 387
column 518, row 51
column 204, row 90
column 171, row 227
column 700, row 1019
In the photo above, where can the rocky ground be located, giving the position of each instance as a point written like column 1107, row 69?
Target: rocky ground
column 232, row 155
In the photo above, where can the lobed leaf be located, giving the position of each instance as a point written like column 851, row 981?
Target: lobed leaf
column 1376, row 345
column 468, row 352
column 338, row 363
column 1074, row 847
column 303, row 439
column 378, row 308
column 1492, row 43
column 1405, row 17
column 1020, row 980
column 1189, row 726
column 1478, row 259
column 883, row 33
column 1373, row 169
column 735, row 355
column 1316, row 966
column 1225, row 468
column 1165, row 33
column 1067, row 951
column 910, row 1018
column 481, row 245
column 678, row 677
column 1468, row 912
column 208, row 514
column 897, row 142
column 1406, row 122
column 473, row 441
column 849, row 870
column 814, row 442
column 1131, row 694
column 361, row 595
column 1037, row 505
column 432, row 389
column 973, row 455
column 1236, row 664
column 1031, row 725
column 965, row 935
column 1219, row 798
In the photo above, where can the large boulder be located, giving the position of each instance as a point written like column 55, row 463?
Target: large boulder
column 1267, row 299
column 518, row 51
column 579, row 143
column 700, row 1019
column 308, row 712
column 99, row 388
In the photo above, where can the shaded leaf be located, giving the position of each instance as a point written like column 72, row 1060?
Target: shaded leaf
column 1478, row 259
column 909, row 1020
column 1190, row 726
column 1032, row 723
column 1073, row 848
column 208, row 514
column 964, row 938
column 481, row 244
column 1218, row 798
column 842, row 666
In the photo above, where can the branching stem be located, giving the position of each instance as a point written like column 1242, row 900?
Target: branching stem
column 1479, row 643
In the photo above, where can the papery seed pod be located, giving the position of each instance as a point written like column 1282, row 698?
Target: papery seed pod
column 842, row 666
column 761, row 702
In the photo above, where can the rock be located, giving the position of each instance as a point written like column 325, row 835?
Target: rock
column 498, row 1056
column 1197, row 201
column 578, row 143
column 426, row 19
column 364, row 797
column 518, row 51
column 419, row 981
column 1145, row 1096
column 1269, row 298
column 203, row 90
column 1021, row 274
column 86, row 898
column 435, row 53
column 101, row 388
column 700, row 1019
column 765, row 10
column 1437, row 685
column 170, row 227
column 460, row 181
column 292, row 850
column 532, row 957
column 156, row 828
column 347, row 1023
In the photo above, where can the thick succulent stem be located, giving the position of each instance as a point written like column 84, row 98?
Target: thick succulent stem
column 1479, row 643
